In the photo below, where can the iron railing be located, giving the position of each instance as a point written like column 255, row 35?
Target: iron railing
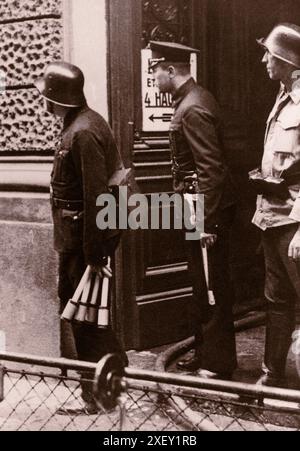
column 33, row 389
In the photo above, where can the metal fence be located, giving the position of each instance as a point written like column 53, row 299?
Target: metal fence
column 33, row 389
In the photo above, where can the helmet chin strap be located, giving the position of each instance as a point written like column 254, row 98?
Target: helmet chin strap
column 49, row 107
column 57, row 110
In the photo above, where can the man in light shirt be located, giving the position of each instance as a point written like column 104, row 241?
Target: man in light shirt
column 278, row 206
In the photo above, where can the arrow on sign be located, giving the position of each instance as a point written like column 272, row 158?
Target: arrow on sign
column 165, row 118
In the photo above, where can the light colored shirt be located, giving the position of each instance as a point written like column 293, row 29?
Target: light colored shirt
column 282, row 149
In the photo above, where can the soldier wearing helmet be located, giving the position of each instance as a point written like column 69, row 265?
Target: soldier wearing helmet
column 83, row 164
column 278, row 205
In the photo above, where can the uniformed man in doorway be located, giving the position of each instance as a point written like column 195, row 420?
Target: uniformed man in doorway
column 278, row 205
column 83, row 164
column 197, row 153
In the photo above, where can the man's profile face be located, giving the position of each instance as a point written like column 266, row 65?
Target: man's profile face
column 162, row 79
column 276, row 68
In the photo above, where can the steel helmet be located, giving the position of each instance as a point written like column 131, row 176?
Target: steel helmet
column 284, row 43
column 62, row 84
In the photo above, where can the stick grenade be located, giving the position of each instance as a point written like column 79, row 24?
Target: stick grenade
column 210, row 293
column 72, row 306
column 92, row 313
column 83, row 304
column 103, row 315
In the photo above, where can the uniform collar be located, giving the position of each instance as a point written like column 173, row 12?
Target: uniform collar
column 294, row 94
column 73, row 114
column 183, row 91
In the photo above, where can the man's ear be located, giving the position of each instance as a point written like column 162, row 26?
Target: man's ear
column 172, row 71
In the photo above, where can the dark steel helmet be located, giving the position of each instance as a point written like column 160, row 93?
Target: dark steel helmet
column 284, row 43
column 62, row 84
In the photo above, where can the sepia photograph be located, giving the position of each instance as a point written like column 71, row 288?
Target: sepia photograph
column 149, row 218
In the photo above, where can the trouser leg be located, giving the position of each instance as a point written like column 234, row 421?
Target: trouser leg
column 282, row 291
column 213, row 325
column 71, row 270
column 91, row 343
column 280, row 326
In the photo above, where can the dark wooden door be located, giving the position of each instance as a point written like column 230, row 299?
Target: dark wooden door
column 153, row 286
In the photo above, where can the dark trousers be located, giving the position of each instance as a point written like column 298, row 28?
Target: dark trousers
column 282, row 290
column 213, row 325
column 91, row 343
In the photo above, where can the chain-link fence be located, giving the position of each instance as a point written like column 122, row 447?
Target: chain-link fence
column 34, row 392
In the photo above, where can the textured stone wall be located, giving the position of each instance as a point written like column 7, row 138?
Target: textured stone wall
column 30, row 38
column 17, row 9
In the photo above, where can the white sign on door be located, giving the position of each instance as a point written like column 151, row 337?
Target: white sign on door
column 157, row 107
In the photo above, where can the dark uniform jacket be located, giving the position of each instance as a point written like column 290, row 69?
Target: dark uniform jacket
column 196, row 146
column 83, row 165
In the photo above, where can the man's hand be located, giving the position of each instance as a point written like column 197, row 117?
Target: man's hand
column 294, row 249
column 208, row 240
column 102, row 271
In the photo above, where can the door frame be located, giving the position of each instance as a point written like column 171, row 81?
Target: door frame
column 123, row 54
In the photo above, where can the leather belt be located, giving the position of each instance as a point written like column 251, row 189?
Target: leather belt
column 182, row 175
column 67, row 204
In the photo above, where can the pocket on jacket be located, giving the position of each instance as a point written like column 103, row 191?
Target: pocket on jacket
column 287, row 135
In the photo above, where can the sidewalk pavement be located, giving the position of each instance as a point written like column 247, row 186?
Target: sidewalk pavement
column 250, row 349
